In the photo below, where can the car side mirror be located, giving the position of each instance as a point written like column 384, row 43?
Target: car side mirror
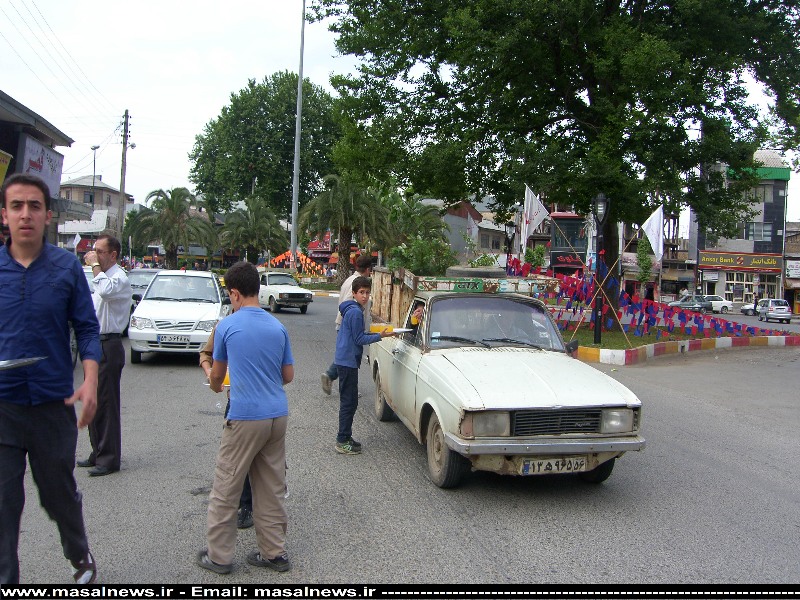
column 226, row 300
column 137, row 297
column 572, row 347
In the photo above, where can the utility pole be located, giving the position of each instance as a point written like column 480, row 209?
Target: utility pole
column 298, row 120
column 122, row 200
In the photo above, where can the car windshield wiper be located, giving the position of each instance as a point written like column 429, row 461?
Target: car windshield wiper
column 512, row 341
column 162, row 298
column 455, row 338
column 196, row 300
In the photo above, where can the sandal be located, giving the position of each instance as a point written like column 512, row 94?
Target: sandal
column 84, row 571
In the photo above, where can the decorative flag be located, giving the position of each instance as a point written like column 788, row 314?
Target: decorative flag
column 654, row 230
column 472, row 228
column 76, row 240
column 533, row 214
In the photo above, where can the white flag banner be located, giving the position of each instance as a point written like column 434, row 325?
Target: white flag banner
column 533, row 214
column 654, row 230
column 76, row 240
column 472, row 228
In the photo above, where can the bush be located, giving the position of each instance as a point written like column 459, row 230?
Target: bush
column 422, row 257
column 484, row 260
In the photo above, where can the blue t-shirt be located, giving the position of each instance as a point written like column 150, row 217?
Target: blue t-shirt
column 256, row 346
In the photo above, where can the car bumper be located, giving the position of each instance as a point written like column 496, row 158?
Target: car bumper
column 148, row 341
column 546, row 446
column 293, row 303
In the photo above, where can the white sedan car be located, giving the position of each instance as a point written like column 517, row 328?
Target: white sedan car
column 177, row 313
column 280, row 290
column 719, row 304
column 486, row 382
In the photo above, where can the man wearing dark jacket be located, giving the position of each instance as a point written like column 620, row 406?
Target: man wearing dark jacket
column 350, row 343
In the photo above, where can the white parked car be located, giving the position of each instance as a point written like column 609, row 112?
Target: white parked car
column 177, row 313
column 719, row 304
column 486, row 382
column 774, row 308
column 281, row 290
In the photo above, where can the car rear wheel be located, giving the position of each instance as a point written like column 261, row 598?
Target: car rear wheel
column 724, row 310
column 383, row 411
column 600, row 473
column 702, row 310
column 445, row 467
column 273, row 306
column 303, row 310
column 136, row 357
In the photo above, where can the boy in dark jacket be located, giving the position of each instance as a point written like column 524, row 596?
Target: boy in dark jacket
column 349, row 350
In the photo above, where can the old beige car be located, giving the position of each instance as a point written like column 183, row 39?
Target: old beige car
column 486, row 382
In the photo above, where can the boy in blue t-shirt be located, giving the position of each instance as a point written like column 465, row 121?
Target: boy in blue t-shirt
column 350, row 343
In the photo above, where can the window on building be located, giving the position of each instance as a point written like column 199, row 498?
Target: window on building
column 88, row 198
column 485, row 240
column 495, row 243
column 67, row 194
column 759, row 232
column 763, row 194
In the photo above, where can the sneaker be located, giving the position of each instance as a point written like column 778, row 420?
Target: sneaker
column 326, row 383
column 84, row 571
column 204, row 561
column 355, row 444
column 348, row 447
column 245, row 518
column 279, row 563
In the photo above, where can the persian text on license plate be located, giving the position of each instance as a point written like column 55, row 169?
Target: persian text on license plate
column 173, row 339
column 546, row 466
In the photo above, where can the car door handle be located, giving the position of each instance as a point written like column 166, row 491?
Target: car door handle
column 395, row 350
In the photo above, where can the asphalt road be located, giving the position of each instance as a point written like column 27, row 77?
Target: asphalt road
column 712, row 499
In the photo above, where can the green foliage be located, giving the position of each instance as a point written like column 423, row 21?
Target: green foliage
column 254, row 229
column 484, row 260
column 249, row 147
column 173, row 220
column 423, row 257
column 634, row 99
column 535, row 256
column 644, row 260
column 139, row 249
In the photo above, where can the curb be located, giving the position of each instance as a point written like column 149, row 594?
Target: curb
column 643, row 353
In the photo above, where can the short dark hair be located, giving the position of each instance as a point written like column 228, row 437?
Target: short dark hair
column 363, row 263
column 26, row 179
column 243, row 277
column 113, row 243
column 361, row 282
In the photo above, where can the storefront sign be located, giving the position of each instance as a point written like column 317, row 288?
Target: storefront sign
column 630, row 263
column 566, row 260
column 37, row 159
column 793, row 269
column 740, row 261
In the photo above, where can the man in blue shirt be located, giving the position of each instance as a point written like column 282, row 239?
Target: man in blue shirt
column 254, row 347
column 42, row 291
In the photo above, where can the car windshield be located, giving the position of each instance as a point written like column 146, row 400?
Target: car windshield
column 491, row 321
column 140, row 279
column 281, row 279
column 182, row 288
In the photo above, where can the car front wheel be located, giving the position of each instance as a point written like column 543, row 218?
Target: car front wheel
column 273, row 306
column 445, row 467
column 303, row 310
column 600, row 473
column 383, row 411
column 136, row 357
column 724, row 310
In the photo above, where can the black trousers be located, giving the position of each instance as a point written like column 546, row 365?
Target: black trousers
column 105, row 430
column 48, row 435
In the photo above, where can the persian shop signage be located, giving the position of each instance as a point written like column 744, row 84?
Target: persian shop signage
column 735, row 261
column 570, row 260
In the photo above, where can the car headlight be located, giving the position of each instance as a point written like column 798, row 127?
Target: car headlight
column 206, row 325
column 616, row 420
column 308, row 296
column 141, row 323
column 490, row 423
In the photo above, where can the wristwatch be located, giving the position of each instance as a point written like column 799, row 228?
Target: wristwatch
column 93, row 265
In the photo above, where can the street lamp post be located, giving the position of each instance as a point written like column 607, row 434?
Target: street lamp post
column 600, row 211
column 511, row 229
column 94, row 170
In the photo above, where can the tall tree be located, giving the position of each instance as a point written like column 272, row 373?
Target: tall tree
column 249, row 148
column 409, row 217
column 254, row 229
column 632, row 98
column 171, row 220
column 347, row 209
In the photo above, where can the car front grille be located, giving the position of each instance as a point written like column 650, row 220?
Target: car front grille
column 556, row 422
column 295, row 296
column 165, row 325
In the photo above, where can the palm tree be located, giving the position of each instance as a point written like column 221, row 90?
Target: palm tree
column 345, row 208
column 411, row 218
column 255, row 229
column 171, row 221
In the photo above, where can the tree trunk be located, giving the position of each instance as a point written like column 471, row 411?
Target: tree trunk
column 611, row 259
column 343, row 265
column 171, row 260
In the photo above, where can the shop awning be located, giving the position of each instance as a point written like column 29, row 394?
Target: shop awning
column 791, row 284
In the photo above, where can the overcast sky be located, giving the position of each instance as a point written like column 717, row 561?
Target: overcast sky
column 80, row 64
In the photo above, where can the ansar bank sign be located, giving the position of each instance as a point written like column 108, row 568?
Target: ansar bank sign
column 736, row 261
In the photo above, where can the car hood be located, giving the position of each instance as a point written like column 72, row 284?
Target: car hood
column 287, row 289
column 515, row 378
column 180, row 311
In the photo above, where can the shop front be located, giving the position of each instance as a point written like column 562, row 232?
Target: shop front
column 740, row 276
column 791, row 292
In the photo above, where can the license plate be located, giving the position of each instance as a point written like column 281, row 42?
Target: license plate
column 173, row 339
column 545, row 466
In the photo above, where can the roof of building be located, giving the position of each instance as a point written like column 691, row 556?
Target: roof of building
column 12, row 111
column 770, row 159
column 86, row 181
